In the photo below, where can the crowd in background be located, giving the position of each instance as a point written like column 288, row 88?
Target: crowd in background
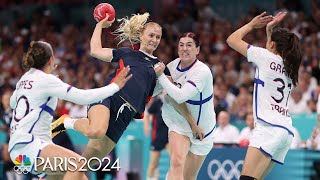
column 233, row 75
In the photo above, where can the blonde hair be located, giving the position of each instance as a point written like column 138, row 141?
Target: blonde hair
column 131, row 28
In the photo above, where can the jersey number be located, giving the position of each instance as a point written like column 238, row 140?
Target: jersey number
column 280, row 89
column 24, row 99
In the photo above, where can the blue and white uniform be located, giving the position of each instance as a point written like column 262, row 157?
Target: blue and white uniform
column 34, row 100
column 194, row 85
column 273, row 131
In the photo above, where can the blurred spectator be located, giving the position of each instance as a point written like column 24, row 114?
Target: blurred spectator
column 318, row 105
column 6, row 117
column 314, row 141
column 225, row 133
column 241, row 105
column 246, row 133
column 296, row 103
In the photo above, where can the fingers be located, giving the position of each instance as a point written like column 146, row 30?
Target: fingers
column 124, row 72
column 200, row 135
column 262, row 14
column 159, row 68
column 128, row 77
column 106, row 22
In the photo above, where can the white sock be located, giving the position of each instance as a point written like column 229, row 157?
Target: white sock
column 69, row 123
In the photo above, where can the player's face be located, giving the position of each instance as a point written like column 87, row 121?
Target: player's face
column 187, row 49
column 150, row 38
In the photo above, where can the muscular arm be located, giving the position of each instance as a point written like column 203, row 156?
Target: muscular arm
column 96, row 49
column 235, row 39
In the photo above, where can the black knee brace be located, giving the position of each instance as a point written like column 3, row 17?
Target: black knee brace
column 243, row 177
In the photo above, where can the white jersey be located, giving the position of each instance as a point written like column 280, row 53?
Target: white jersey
column 35, row 100
column 196, row 89
column 271, row 90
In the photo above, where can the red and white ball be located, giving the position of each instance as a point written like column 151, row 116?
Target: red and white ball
column 101, row 10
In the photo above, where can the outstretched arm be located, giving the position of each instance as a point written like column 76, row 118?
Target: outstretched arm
column 57, row 88
column 235, row 39
column 96, row 49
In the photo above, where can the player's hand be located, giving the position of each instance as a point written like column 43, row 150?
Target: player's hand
column 276, row 20
column 122, row 78
column 197, row 132
column 105, row 23
column 159, row 68
column 261, row 20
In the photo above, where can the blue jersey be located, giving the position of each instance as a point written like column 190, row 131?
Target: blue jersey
column 140, row 87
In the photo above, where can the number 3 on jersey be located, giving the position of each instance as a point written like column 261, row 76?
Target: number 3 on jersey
column 280, row 89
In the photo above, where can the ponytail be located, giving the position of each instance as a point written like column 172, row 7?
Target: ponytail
column 37, row 56
column 289, row 48
column 131, row 28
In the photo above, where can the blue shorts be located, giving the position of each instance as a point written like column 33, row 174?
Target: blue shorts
column 159, row 138
column 121, row 113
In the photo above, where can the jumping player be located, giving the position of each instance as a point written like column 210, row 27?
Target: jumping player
column 108, row 119
column 276, row 75
column 193, row 84
column 34, row 101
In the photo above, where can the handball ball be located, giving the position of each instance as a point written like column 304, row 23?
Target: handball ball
column 244, row 142
column 100, row 11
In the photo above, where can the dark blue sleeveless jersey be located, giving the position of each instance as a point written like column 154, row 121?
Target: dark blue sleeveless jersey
column 139, row 88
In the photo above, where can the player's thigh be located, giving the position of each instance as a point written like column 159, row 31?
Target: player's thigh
column 99, row 116
column 192, row 166
column 58, row 155
column 98, row 147
column 269, row 168
column 255, row 163
column 179, row 145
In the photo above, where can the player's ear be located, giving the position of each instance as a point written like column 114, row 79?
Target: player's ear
column 273, row 45
column 198, row 50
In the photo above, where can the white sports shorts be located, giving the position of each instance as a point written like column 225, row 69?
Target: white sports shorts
column 28, row 148
column 197, row 147
column 272, row 141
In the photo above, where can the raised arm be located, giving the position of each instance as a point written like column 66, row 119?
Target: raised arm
column 96, row 49
column 276, row 19
column 235, row 39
